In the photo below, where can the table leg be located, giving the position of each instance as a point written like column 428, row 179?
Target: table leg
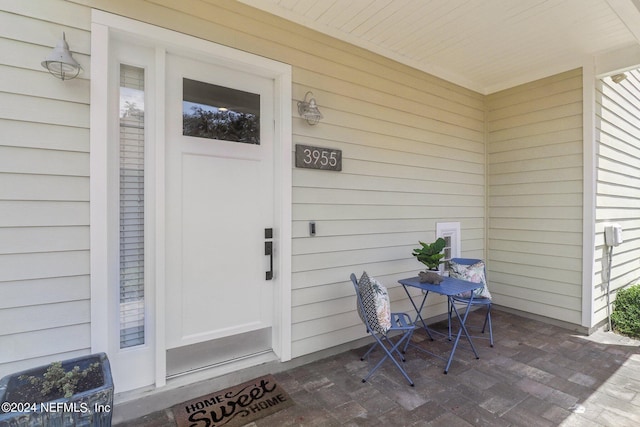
column 419, row 311
column 462, row 329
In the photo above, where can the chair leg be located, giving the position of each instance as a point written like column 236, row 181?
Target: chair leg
column 389, row 355
column 400, row 352
column 375, row 344
column 487, row 320
column 393, row 359
column 490, row 329
column 449, row 304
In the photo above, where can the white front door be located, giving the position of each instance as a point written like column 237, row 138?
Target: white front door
column 219, row 202
column 206, row 203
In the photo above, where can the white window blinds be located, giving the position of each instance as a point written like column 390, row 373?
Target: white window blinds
column 131, row 206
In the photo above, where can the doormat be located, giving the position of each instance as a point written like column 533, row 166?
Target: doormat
column 234, row 406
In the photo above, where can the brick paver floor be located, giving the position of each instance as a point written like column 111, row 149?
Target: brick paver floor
column 537, row 374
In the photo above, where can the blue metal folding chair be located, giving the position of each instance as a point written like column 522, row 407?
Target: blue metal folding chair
column 485, row 302
column 400, row 323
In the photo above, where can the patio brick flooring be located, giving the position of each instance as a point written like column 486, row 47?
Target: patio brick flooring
column 536, row 375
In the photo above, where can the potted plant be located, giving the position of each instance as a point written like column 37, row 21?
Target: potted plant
column 72, row 392
column 430, row 254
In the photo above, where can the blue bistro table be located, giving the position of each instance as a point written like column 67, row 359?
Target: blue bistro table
column 449, row 287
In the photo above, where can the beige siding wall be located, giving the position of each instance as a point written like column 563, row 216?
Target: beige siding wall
column 618, row 184
column 534, row 145
column 44, row 188
column 413, row 155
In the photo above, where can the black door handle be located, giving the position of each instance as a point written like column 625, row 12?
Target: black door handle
column 268, row 250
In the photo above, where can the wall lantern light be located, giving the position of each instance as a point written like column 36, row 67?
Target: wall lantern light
column 617, row 78
column 308, row 110
column 60, row 63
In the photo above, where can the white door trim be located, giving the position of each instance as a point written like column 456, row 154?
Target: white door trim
column 103, row 267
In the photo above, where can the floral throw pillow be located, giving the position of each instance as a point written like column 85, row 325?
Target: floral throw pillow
column 375, row 300
column 472, row 273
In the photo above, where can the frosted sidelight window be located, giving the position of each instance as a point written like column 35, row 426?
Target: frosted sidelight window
column 132, row 310
column 222, row 113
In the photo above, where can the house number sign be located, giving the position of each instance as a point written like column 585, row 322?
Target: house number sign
column 323, row 158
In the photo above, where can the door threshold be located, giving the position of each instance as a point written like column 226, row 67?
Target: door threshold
column 217, row 352
column 248, row 363
column 231, row 363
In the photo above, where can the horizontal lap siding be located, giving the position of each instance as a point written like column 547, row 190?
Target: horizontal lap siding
column 534, row 144
column 44, row 188
column 407, row 164
column 412, row 154
column 618, row 184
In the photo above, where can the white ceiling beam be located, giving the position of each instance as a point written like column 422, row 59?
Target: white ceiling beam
column 629, row 13
column 617, row 61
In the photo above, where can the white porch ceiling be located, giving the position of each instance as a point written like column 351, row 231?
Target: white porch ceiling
column 484, row 45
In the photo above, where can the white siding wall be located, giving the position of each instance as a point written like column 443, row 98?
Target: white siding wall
column 44, row 187
column 618, row 183
column 535, row 196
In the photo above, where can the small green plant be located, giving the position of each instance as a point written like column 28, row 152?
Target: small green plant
column 625, row 318
column 56, row 381
column 430, row 254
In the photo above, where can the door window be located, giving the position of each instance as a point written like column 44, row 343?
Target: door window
column 222, row 113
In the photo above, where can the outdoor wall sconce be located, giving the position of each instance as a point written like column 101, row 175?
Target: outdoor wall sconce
column 60, row 63
column 308, row 110
column 617, row 78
